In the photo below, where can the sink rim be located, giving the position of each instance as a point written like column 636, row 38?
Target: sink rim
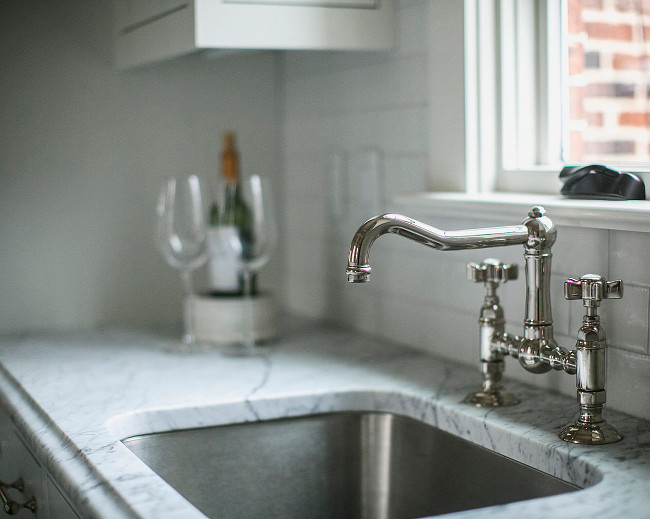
column 436, row 442
column 341, row 413
column 582, row 474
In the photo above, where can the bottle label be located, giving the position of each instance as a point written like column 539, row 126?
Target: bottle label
column 224, row 261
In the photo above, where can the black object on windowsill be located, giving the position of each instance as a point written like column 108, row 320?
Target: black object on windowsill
column 601, row 182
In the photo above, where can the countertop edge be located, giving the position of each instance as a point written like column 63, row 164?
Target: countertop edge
column 67, row 466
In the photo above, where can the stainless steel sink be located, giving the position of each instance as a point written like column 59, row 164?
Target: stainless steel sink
column 343, row 465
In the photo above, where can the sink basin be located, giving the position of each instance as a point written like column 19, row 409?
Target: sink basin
column 340, row 465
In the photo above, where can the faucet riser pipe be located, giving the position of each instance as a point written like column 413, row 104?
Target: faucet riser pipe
column 590, row 367
column 486, row 336
column 538, row 288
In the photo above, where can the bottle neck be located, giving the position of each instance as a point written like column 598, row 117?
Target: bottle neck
column 230, row 166
column 233, row 206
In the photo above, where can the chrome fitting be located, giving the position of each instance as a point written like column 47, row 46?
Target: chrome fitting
column 491, row 273
column 592, row 398
column 590, row 361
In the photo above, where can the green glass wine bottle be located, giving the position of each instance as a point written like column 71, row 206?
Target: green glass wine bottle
column 234, row 217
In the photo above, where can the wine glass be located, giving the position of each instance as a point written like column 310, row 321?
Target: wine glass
column 254, row 241
column 181, row 235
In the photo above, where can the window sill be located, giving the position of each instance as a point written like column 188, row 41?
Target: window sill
column 631, row 215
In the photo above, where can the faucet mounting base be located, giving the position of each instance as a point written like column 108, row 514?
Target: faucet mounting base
column 590, row 433
column 495, row 398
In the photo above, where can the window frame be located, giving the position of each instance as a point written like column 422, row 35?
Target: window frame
column 514, row 95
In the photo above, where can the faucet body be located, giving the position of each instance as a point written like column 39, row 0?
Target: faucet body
column 537, row 234
column 536, row 350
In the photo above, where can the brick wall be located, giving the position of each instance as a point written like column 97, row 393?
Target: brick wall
column 609, row 80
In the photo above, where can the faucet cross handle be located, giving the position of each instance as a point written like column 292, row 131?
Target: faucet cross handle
column 592, row 289
column 491, row 271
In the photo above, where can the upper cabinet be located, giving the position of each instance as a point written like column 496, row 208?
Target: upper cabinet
column 151, row 30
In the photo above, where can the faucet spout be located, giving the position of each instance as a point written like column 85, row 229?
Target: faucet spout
column 358, row 270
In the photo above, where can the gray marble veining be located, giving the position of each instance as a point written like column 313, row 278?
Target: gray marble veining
column 76, row 396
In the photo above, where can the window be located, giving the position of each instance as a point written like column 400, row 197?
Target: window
column 554, row 82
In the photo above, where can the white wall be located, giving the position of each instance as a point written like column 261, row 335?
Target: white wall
column 82, row 150
column 346, row 104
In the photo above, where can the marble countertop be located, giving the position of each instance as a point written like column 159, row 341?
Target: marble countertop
column 74, row 396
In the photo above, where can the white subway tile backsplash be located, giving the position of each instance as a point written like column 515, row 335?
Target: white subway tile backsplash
column 402, row 319
column 626, row 320
column 579, row 251
column 360, row 308
column 306, row 259
column 306, row 138
column 306, row 223
column 338, row 199
column 412, row 80
column 420, row 277
column 404, row 174
column 411, row 26
column 377, row 86
column 451, row 334
column 304, row 178
column 511, row 297
column 395, row 131
column 365, row 184
column 402, row 4
column 308, row 303
column 627, row 381
column 561, row 307
column 299, row 65
column 552, row 380
column 629, row 252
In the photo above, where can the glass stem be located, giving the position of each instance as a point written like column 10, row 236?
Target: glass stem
column 188, row 336
column 249, row 325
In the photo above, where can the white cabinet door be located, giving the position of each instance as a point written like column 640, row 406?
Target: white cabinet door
column 58, row 504
column 311, row 3
column 160, row 29
column 17, row 462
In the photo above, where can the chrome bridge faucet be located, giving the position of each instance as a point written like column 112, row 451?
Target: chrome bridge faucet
column 536, row 350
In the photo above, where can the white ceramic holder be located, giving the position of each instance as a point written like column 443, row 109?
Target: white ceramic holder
column 223, row 320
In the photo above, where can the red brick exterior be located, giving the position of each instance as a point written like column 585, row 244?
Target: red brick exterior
column 609, row 80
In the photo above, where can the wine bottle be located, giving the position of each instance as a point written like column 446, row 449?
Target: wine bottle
column 232, row 221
